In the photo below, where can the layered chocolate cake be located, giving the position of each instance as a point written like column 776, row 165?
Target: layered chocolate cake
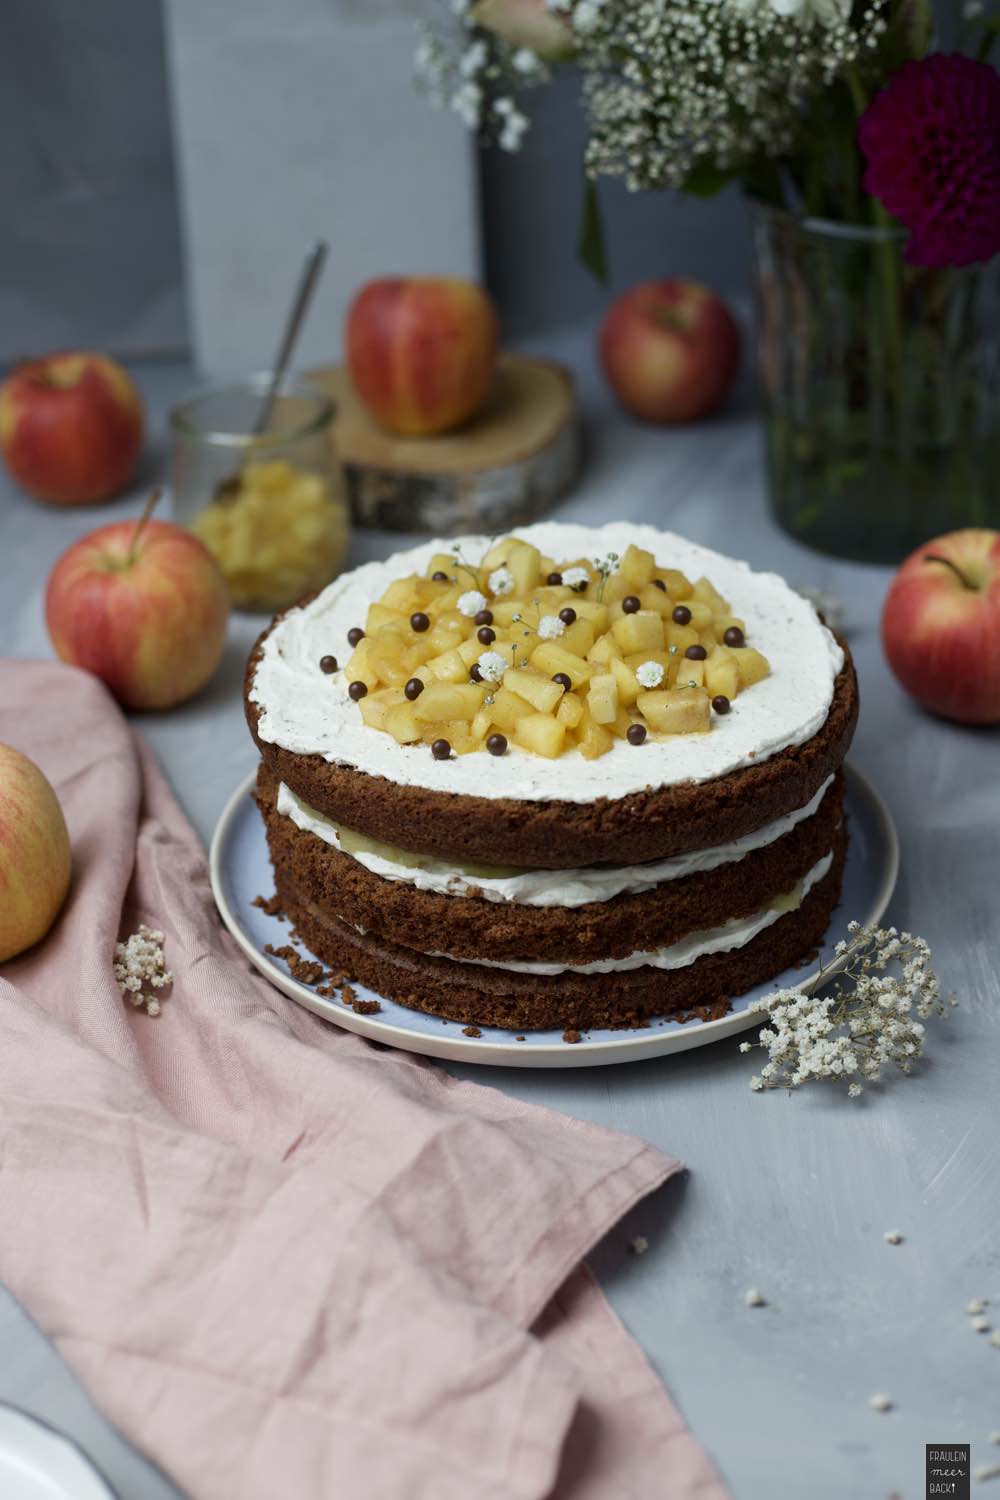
column 572, row 778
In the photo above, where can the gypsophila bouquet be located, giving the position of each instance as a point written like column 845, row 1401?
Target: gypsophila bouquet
column 693, row 94
column 871, row 1020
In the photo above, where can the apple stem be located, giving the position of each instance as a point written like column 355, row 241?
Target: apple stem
column 143, row 521
column 933, row 557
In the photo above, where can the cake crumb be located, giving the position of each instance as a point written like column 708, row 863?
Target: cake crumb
column 365, row 1007
column 303, row 970
column 571, row 1035
column 271, row 905
column 881, row 1402
column 753, row 1298
column 639, row 1245
column 893, row 1237
column 520, row 1038
column 471, row 1031
column 349, row 993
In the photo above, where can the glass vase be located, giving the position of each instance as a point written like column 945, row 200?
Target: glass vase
column 881, row 388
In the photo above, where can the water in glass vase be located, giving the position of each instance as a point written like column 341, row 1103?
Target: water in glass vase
column 881, row 387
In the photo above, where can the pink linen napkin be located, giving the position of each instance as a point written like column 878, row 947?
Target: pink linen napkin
column 284, row 1261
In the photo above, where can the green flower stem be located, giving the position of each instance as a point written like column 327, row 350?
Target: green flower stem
column 888, row 264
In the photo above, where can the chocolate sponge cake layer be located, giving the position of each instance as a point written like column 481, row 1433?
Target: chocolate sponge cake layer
column 466, row 926
column 478, row 995
column 653, row 824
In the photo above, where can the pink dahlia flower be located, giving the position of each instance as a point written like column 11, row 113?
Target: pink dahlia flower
column 932, row 142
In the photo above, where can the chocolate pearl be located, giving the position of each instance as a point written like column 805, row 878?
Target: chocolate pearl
column 475, row 673
column 439, row 577
column 354, row 635
column 555, row 579
column 562, row 680
column 358, row 690
column 631, row 605
column 328, row 664
column 484, row 617
column 721, row 703
column 635, row 734
column 486, row 635
column 420, row 622
column 441, row 750
column 497, row 744
column 581, row 587
column 681, row 615
column 413, row 688
column 567, row 615
column 696, row 653
column 734, row 636
column 659, row 584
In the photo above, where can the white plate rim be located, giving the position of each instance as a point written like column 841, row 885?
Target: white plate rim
column 630, row 1047
column 48, row 1436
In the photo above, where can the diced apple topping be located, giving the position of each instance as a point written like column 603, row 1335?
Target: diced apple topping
column 549, row 656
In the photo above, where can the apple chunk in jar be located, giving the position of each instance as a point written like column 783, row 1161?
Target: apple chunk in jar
column 269, row 503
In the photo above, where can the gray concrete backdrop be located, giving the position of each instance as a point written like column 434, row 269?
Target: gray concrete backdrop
column 90, row 246
column 89, row 242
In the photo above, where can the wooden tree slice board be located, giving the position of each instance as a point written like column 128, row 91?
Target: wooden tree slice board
column 504, row 468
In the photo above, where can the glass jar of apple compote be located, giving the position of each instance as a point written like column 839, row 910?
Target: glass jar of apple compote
column 259, row 483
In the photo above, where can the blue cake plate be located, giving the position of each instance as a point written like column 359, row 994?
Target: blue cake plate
column 241, row 871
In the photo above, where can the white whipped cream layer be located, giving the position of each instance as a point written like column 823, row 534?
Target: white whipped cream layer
column 734, row 934
column 542, row 887
column 308, row 713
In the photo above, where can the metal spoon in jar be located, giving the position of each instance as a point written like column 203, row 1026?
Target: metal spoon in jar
column 227, row 489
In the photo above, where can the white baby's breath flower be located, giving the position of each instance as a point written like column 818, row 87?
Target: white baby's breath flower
column 979, row 1324
column 586, row 16
column 501, row 582
column 550, row 627
column 526, row 61
column 753, row 1298
column 976, row 1306
column 863, row 1024
column 492, row 666
column 649, row 675
column 470, row 603
column 573, row 577
column 893, row 1237
column 880, row 1402
column 467, row 102
column 139, row 962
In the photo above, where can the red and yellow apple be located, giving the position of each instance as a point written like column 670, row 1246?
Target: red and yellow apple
column 143, row 605
column 670, row 350
column 70, row 427
column 421, row 351
column 941, row 626
column 34, row 854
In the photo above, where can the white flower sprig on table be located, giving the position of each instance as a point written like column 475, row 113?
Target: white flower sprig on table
column 139, row 962
column 870, row 1020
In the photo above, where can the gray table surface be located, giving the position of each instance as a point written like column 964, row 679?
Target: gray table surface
column 789, row 1193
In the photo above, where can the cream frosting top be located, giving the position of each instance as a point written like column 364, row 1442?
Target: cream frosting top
column 538, row 887
column 309, row 713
